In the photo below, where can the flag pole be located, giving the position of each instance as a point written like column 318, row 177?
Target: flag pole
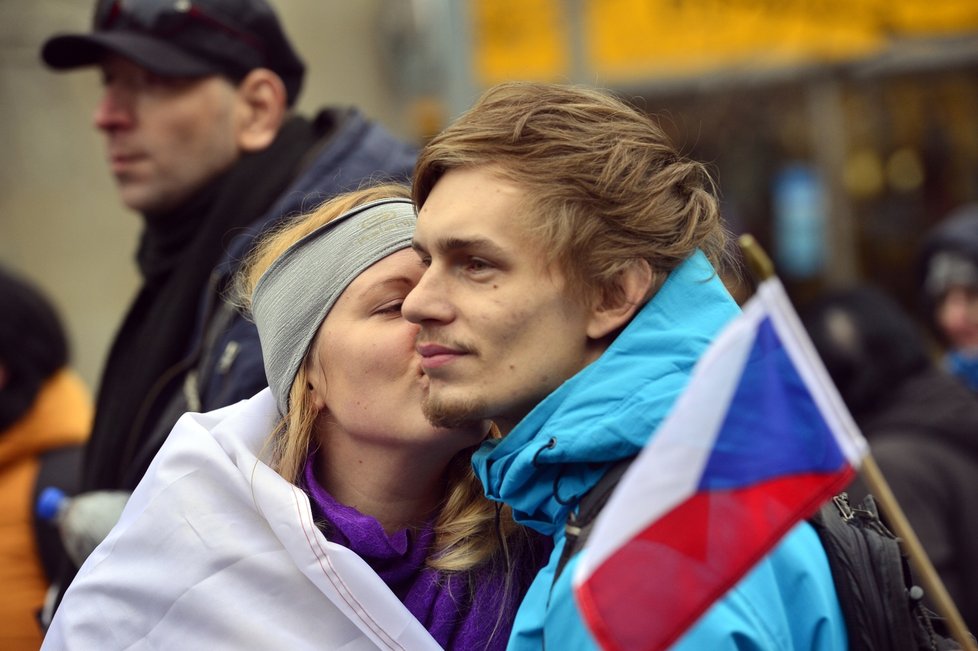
column 762, row 267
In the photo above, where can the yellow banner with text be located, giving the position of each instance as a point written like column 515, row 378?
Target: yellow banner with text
column 622, row 40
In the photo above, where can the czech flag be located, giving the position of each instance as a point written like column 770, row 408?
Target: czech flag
column 756, row 443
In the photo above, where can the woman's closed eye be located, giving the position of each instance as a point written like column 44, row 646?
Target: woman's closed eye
column 393, row 307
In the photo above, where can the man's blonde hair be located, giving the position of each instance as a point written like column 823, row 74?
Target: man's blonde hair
column 604, row 185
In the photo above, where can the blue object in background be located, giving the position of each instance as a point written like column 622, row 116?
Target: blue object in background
column 799, row 221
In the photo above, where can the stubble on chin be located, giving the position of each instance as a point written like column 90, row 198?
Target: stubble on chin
column 452, row 414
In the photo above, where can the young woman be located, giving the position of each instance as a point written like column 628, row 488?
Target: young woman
column 325, row 512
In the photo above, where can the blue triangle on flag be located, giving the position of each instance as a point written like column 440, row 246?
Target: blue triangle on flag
column 773, row 426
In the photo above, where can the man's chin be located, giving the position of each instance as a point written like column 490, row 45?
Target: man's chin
column 453, row 414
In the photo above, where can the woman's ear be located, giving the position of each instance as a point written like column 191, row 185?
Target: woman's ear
column 315, row 396
column 616, row 305
column 261, row 109
column 315, row 378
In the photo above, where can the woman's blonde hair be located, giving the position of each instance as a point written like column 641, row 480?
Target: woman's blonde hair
column 466, row 533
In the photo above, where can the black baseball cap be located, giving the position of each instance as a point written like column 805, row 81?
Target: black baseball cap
column 184, row 38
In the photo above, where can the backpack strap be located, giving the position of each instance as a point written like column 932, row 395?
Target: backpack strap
column 579, row 523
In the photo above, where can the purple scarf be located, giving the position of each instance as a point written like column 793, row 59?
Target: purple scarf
column 459, row 610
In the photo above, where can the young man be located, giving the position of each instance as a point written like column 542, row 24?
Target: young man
column 569, row 291
column 200, row 139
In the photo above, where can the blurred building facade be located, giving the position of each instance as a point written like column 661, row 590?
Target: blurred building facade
column 839, row 130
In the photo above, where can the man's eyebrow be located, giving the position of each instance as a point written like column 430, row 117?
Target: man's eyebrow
column 451, row 244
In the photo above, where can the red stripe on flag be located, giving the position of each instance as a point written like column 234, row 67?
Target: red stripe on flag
column 653, row 588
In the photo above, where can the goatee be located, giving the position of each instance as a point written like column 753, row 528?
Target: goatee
column 452, row 414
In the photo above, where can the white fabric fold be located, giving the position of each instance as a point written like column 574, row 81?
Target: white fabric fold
column 215, row 550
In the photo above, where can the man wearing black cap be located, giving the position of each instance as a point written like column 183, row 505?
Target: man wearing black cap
column 200, row 140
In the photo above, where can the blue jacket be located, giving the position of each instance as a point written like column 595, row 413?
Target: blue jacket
column 607, row 412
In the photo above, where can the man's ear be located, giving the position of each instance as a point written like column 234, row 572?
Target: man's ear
column 261, row 109
column 616, row 306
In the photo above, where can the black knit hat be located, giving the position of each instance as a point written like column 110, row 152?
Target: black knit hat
column 184, row 38
column 949, row 253
column 33, row 345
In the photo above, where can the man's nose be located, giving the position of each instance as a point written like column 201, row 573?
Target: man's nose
column 428, row 301
column 114, row 110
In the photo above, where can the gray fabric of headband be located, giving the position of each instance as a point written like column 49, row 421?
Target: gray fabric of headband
column 293, row 297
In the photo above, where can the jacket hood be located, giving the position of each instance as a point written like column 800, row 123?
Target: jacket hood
column 61, row 415
column 550, row 459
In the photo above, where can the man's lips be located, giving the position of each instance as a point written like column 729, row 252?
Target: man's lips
column 435, row 355
column 119, row 162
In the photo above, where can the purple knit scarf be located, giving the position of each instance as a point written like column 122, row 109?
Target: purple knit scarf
column 460, row 611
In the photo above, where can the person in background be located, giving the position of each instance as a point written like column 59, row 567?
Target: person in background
column 949, row 276
column 570, row 290
column 45, row 416
column 921, row 424
column 201, row 138
column 307, row 515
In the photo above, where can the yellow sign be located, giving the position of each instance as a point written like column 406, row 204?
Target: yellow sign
column 644, row 39
column 665, row 38
column 519, row 39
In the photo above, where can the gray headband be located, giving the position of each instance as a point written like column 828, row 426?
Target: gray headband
column 293, row 297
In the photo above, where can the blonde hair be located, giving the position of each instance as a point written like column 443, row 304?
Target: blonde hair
column 604, row 181
column 465, row 531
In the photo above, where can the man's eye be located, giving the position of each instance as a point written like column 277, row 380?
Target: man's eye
column 477, row 264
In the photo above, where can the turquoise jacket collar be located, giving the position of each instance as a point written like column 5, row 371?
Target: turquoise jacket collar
column 550, row 459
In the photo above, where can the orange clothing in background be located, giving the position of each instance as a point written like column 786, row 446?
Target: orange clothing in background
column 61, row 415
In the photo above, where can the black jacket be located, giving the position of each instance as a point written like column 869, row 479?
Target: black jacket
column 924, row 438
